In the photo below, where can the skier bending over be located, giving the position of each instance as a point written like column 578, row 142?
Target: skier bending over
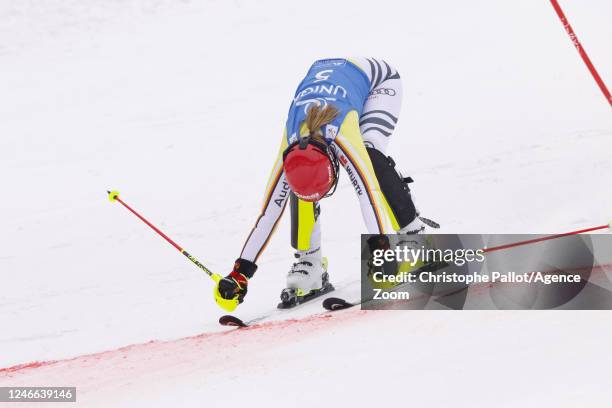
column 343, row 114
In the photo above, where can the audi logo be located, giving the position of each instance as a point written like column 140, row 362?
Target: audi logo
column 383, row 91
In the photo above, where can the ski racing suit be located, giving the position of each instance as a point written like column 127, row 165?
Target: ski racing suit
column 367, row 92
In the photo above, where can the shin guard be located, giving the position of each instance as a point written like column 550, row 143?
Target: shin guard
column 394, row 187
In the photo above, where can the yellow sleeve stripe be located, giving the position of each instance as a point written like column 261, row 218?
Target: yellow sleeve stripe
column 369, row 191
column 274, row 179
column 354, row 62
column 275, row 172
column 265, row 244
column 351, row 142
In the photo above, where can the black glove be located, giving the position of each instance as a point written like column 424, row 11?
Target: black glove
column 237, row 281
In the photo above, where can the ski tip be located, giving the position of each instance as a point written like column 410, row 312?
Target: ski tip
column 333, row 303
column 229, row 320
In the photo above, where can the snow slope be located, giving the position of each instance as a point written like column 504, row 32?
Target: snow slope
column 424, row 359
column 180, row 105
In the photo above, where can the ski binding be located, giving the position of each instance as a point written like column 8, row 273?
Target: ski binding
column 290, row 297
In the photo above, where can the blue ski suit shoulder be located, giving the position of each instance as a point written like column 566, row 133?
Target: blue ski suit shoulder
column 329, row 81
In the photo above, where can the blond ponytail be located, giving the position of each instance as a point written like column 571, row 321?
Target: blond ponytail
column 318, row 116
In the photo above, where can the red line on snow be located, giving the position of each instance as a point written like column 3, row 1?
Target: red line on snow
column 206, row 349
column 171, row 349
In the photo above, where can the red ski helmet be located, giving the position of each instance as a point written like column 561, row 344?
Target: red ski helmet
column 311, row 168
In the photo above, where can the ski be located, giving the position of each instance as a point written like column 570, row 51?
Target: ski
column 229, row 320
column 289, row 298
column 233, row 321
column 334, row 303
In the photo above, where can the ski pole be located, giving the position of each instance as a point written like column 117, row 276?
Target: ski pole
column 114, row 196
column 549, row 237
column 581, row 51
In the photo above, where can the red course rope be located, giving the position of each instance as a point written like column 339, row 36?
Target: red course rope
column 532, row 241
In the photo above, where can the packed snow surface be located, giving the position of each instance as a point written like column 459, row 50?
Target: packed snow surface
column 180, row 106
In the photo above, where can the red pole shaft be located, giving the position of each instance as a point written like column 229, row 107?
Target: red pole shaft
column 581, row 51
column 532, row 241
column 167, row 238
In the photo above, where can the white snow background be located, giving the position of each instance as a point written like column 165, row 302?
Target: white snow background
column 180, row 106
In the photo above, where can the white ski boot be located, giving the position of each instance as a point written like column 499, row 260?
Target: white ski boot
column 306, row 280
column 411, row 243
column 412, row 238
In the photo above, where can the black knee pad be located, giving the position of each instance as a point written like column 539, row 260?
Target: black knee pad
column 394, row 187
